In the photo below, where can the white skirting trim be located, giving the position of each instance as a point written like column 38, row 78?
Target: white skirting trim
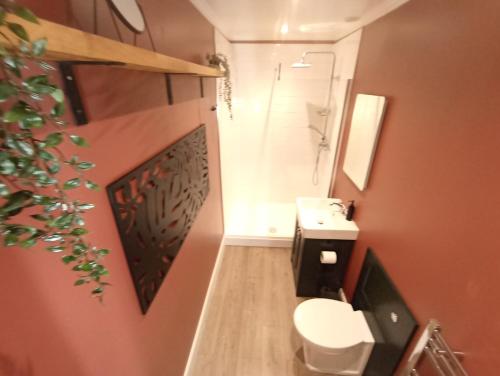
column 258, row 241
column 342, row 295
column 206, row 303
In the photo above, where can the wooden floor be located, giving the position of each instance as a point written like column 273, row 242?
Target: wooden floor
column 249, row 329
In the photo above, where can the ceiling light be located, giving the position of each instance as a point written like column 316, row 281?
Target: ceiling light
column 284, row 28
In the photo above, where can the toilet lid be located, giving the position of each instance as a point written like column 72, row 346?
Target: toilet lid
column 331, row 324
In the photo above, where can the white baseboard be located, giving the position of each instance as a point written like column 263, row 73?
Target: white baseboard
column 342, row 295
column 206, row 303
column 258, row 241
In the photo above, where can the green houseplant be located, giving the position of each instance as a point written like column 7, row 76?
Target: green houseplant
column 220, row 62
column 35, row 205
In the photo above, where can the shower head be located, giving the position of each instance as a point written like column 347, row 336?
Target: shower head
column 301, row 64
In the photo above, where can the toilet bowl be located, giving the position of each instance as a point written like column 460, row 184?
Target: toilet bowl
column 336, row 339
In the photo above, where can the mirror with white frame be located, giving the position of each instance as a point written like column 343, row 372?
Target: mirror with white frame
column 363, row 136
column 130, row 14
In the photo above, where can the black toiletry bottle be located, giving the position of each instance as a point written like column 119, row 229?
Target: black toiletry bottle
column 350, row 211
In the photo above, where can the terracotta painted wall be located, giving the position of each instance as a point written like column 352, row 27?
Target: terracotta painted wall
column 49, row 327
column 432, row 208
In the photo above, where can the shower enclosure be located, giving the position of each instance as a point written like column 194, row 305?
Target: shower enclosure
column 283, row 139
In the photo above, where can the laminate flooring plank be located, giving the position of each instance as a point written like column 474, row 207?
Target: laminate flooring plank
column 248, row 329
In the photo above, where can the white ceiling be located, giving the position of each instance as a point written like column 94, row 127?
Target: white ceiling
column 244, row 20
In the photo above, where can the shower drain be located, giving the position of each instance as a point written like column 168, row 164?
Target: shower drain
column 272, row 230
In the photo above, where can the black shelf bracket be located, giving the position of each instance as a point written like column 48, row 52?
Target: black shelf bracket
column 170, row 91
column 73, row 93
column 71, row 86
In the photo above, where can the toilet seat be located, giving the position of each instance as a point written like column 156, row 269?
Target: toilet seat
column 331, row 324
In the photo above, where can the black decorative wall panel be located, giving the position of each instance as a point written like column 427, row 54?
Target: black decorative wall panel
column 387, row 314
column 155, row 205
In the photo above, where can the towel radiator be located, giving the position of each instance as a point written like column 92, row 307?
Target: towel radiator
column 443, row 360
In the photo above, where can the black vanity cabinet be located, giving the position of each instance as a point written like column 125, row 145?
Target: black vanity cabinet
column 310, row 275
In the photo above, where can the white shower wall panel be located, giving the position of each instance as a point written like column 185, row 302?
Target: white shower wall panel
column 268, row 151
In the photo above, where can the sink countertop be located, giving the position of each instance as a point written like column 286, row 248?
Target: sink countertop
column 319, row 219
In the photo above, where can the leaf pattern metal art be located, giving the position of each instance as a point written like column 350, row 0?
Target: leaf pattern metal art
column 155, row 206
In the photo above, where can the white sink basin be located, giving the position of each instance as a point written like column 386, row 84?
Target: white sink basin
column 320, row 218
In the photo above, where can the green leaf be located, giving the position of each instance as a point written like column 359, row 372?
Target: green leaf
column 72, row 183
column 41, row 217
column 25, row 13
column 4, row 190
column 85, row 206
column 101, row 270
column 79, row 221
column 22, row 163
column 60, row 123
column 68, row 259
column 58, row 95
column 85, row 165
column 7, row 167
column 79, row 248
column 19, row 30
column 35, row 121
column 10, row 240
column 20, row 229
column 79, row 231
column 24, row 47
column 55, row 248
column 64, row 221
column 87, row 267
column 28, row 242
column 22, row 112
column 16, row 201
column 18, row 112
column 53, row 139
column 25, row 148
column 53, row 238
column 45, row 180
column 97, row 291
column 77, row 140
column 46, row 66
column 6, row 90
column 58, row 110
column 46, row 156
column 102, row 252
column 91, row 185
column 53, row 167
column 39, row 46
column 14, row 64
column 39, row 84
column 52, row 207
column 79, row 282
column 44, row 200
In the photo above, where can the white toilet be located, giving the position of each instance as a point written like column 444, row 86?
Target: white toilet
column 337, row 340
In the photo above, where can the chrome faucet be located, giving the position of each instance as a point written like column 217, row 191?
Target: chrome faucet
column 343, row 208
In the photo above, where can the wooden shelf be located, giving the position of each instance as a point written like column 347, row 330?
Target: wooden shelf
column 69, row 44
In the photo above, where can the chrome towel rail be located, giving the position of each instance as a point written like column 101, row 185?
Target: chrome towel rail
column 444, row 361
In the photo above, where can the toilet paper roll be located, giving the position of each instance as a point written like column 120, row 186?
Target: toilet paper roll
column 328, row 257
